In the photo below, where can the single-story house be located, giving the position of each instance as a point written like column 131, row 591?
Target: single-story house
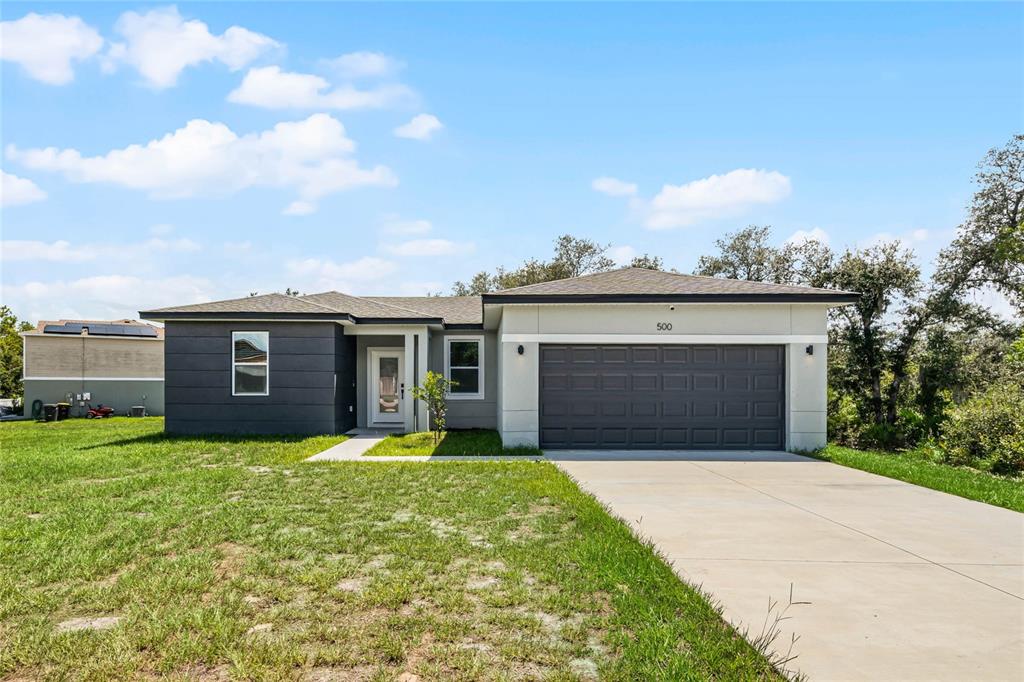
column 119, row 363
column 625, row 359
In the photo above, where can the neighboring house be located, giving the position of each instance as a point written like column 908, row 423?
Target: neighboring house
column 631, row 359
column 119, row 363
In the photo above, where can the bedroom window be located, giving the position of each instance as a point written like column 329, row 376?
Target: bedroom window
column 464, row 364
column 250, row 363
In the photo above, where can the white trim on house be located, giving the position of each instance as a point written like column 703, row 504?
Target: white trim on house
column 717, row 339
column 266, row 389
column 81, row 378
column 481, row 389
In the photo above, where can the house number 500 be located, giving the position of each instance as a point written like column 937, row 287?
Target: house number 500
column 664, row 326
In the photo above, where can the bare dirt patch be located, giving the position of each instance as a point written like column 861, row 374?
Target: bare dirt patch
column 584, row 667
column 352, row 585
column 232, row 560
column 88, row 623
column 260, row 629
column 481, row 582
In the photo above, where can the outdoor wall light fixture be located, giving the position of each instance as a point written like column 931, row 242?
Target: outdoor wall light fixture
column 809, row 350
column 520, row 349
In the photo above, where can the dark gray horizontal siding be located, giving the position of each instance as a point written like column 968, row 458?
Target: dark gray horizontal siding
column 253, row 412
column 304, row 361
column 297, row 395
column 279, row 361
column 196, row 330
column 192, row 378
column 232, row 426
column 284, row 344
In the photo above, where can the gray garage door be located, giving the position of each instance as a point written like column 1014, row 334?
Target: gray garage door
column 667, row 397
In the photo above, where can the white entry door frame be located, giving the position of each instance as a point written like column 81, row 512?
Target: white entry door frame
column 386, row 390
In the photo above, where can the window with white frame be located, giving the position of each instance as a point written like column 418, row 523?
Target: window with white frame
column 464, row 365
column 250, row 363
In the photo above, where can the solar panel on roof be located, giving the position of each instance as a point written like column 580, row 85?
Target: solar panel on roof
column 135, row 330
column 66, row 328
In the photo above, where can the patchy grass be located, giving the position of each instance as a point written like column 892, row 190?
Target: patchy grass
column 914, row 468
column 125, row 554
column 453, row 443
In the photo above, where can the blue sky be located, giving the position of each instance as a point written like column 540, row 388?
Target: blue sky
column 392, row 148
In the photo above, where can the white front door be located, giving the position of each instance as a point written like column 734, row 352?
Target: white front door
column 387, row 390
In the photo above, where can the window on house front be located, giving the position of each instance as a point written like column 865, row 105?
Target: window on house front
column 464, row 365
column 250, row 363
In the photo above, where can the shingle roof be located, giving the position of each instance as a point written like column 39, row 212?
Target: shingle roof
column 641, row 283
column 370, row 306
column 627, row 284
column 265, row 303
column 454, row 309
column 333, row 304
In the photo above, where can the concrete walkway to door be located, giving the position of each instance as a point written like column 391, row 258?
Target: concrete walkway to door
column 902, row 582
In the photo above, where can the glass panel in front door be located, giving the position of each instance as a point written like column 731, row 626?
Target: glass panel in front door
column 388, row 400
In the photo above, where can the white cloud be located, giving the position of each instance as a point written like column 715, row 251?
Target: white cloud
column 62, row 251
column 416, row 288
column 160, row 44
column 394, row 225
column 46, row 45
column 907, row 239
column 317, row 274
column 205, row 158
column 299, row 208
column 364, row 65
column 622, row 255
column 421, row 127
column 813, row 235
column 103, row 296
column 161, row 230
column 429, row 247
column 716, row 196
column 237, row 249
column 271, row 88
column 613, row 187
column 15, row 191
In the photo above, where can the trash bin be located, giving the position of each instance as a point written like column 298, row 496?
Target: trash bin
column 50, row 412
column 63, row 410
column 138, row 411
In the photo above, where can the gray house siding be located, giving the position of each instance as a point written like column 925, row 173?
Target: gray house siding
column 471, row 414
column 306, row 360
column 116, row 393
column 346, row 406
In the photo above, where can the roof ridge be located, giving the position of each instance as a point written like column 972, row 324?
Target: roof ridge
column 684, row 275
column 321, row 305
column 223, row 300
column 756, row 281
column 362, row 298
column 565, row 279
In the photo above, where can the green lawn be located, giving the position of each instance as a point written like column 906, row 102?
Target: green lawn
column 906, row 466
column 232, row 558
column 453, row 443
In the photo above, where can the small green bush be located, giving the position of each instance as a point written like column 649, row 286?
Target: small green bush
column 843, row 420
column 881, row 437
column 987, row 431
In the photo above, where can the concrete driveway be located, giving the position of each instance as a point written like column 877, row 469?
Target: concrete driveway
column 902, row 582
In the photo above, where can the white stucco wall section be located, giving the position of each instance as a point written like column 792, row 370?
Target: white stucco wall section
column 795, row 326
